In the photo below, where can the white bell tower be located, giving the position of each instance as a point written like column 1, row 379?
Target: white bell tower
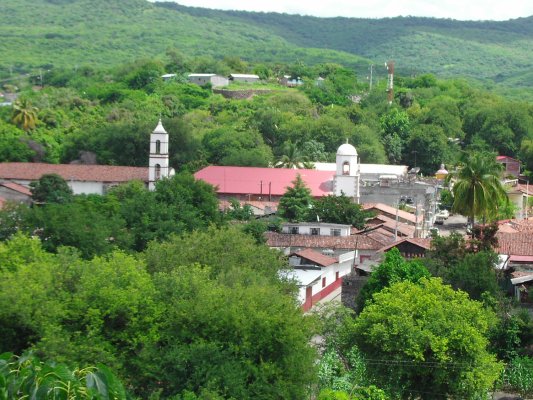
column 347, row 172
column 158, row 166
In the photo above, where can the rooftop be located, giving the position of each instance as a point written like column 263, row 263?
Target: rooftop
column 352, row 242
column 264, row 181
column 16, row 187
column 316, row 257
column 72, row 172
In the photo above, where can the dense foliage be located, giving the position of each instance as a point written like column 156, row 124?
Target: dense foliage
column 182, row 318
column 426, row 340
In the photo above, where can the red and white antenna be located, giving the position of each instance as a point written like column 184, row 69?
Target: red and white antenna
column 390, row 81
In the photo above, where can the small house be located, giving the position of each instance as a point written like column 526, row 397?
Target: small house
column 244, row 78
column 511, row 165
column 204, row 79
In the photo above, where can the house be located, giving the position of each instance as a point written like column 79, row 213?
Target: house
column 12, row 191
column 523, row 286
column 316, row 229
column 167, row 77
column 511, row 166
column 327, row 242
column 410, row 247
column 400, row 229
column 244, row 78
column 318, row 274
column 82, row 179
column 213, row 79
column 289, row 81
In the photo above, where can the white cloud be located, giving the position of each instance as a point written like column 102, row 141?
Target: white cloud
column 456, row 9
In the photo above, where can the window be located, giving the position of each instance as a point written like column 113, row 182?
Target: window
column 157, row 174
column 158, row 147
column 323, row 282
column 293, row 230
column 315, row 231
column 337, row 275
column 346, row 168
column 335, row 232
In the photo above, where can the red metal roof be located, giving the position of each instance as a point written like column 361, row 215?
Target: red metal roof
column 16, row 187
column 264, row 181
column 75, row 172
column 316, row 257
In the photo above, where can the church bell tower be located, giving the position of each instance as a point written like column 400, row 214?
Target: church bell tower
column 158, row 167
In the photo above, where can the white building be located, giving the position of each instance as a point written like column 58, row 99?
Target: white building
column 203, row 79
column 318, row 275
column 246, row 78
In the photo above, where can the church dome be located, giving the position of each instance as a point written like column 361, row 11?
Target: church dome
column 346, row 149
column 159, row 128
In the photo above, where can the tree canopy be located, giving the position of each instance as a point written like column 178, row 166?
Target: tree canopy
column 425, row 340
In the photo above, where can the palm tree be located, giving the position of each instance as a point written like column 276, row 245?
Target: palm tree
column 293, row 158
column 24, row 114
column 478, row 190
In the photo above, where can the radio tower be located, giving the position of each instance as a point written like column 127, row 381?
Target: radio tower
column 390, row 81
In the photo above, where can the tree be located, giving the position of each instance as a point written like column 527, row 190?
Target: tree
column 338, row 210
column 295, row 203
column 292, row 157
column 477, row 190
column 51, row 188
column 427, row 341
column 24, row 114
column 476, row 275
column 393, row 269
column 243, row 340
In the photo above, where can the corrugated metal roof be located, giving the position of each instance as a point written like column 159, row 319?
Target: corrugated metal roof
column 264, row 181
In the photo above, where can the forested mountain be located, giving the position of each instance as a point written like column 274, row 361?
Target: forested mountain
column 42, row 33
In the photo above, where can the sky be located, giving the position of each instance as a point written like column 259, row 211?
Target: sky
column 472, row 10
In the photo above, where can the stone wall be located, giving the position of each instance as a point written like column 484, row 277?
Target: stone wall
column 240, row 94
column 351, row 287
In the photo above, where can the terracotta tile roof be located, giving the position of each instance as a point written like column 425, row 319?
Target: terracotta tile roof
column 352, row 242
column 390, row 210
column 516, row 225
column 420, row 242
column 76, row 172
column 16, row 187
column 316, row 257
column 515, row 244
column 390, row 225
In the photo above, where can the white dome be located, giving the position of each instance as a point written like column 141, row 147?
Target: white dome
column 159, row 128
column 346, row 149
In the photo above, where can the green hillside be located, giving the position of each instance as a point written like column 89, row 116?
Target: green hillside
column 45, row 33
column 40, row 33
column 499, row 51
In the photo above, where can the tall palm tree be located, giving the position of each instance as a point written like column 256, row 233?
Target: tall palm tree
column 24, row 114
column 293, row 158
column 478, row 189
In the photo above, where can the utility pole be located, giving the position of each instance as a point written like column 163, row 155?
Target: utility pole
column 390, row 81
column 371, row 76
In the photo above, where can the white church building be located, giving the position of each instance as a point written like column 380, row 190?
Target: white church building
column 96, row 179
